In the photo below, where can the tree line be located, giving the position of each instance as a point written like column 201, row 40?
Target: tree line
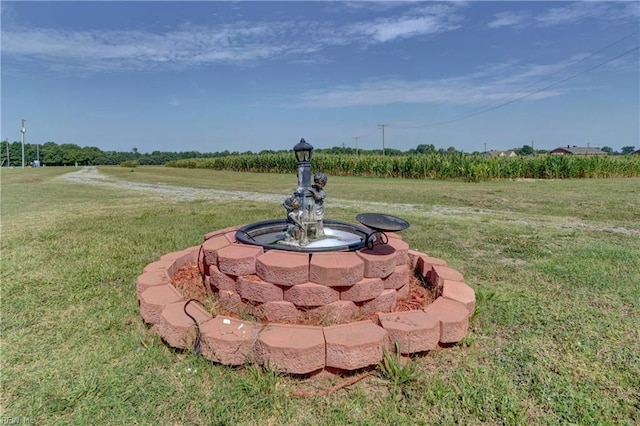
column 68, row 154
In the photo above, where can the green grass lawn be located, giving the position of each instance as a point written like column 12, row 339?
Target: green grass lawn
column 555, row 266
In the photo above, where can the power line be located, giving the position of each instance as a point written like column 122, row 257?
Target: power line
column 491, row 108
column 543, row 78
column 555, row 73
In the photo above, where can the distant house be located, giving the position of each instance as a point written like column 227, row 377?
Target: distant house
column 494, row 153
column 637, row 152
column 577, row 150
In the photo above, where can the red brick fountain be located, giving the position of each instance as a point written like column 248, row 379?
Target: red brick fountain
column 301, row 310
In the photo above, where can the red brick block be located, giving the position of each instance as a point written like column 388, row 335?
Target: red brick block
column 154, row 299
column 460, row 292
column 441, row 273
column 414, row 331
column 221, row 281
column 334, row 313
column 402, row 250
column 398, row 278
column 379, row 262
column 230, row 301
column 180, row 258
column 231, row 236
column 161, row 265
column 151, row 279
column 355, row 345
column 414, row 255
column 238, row 259
column 221, row 232
column 283, row 267
column 211, row 247
column 404, row 292
column 294, row 349
column 194, row 250
column 228, row 341
column 366, row 289
column 426, row 263
column 251, row 287
column 282, row 312
column 453, row 317
column 311, row 294
column 385, row 302
column 176, row 328
column 207, row 285
column 336, row 269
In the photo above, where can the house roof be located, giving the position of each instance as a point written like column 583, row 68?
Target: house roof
column 496, row 153
column 579, row 150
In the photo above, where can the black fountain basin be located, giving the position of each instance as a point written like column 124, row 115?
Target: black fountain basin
column 339, row 236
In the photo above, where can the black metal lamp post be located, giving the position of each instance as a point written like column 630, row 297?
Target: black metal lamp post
column 303, row 152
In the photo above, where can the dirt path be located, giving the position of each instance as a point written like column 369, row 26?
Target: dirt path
column 91, row 176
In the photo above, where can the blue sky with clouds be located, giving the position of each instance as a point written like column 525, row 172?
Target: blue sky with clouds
column 238, row 76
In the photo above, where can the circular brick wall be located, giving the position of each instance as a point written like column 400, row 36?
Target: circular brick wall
column 290, row 293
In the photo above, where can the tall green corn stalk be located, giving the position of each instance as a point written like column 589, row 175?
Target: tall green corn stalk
column 454, row 166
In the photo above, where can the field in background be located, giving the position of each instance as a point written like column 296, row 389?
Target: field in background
column 444, row 166
column 555, row 265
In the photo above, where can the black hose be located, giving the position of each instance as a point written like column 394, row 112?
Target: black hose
column 196, row 343
column 247, row 234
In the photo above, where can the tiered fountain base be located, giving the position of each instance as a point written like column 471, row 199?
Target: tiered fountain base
column 303, row 312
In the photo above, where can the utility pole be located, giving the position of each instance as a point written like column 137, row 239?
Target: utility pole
column 485, row 147
column 382, row 126
column 8, row 159
column 23, row 130
column 356, row 138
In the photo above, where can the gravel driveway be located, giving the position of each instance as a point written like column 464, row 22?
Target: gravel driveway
column 91, row 176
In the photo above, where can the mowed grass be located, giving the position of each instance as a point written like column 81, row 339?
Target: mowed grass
column 555, row 266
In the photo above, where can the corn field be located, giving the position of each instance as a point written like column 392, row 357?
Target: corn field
column 457, row 166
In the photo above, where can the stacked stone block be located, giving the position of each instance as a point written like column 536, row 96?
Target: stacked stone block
column 283, row 289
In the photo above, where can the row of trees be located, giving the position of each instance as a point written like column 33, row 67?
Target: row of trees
column 625, row 150
column 67, row 154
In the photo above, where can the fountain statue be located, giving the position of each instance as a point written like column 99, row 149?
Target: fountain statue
column 305, row 208
column 305, row 229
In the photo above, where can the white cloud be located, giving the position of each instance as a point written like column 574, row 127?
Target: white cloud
column 508, row 19
column 387, row 30
column 574, row 12
column 97, row 51
column 190, row 45
column 495, row 83
column 419, row 21
column 569, row 13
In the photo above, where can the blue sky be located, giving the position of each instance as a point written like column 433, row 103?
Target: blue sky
column 238, row 76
